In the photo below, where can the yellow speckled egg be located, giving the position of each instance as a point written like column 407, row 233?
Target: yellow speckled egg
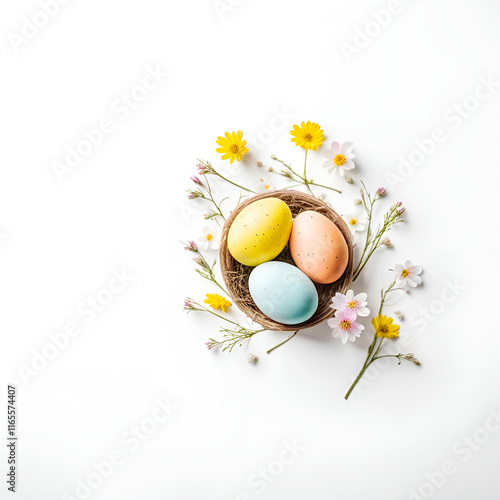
column 260, row 231
column 318, row 248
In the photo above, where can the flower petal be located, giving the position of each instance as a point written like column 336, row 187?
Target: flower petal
column 347, row 147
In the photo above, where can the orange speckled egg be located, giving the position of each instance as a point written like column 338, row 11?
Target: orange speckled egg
column 318, row 247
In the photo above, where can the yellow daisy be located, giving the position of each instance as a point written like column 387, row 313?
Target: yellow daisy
column 232, row 146
column 217, row 301
column 384, row 327
column 307, row 136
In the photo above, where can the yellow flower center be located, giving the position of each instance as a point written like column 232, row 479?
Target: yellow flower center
column 384, row 329
column 308, row 137
column 267, row 186
column 353, row 222
column 345, row 324
column 234, row 149
column 339, row 160
column 405, row 273
column 352, row 304
column 209, row 237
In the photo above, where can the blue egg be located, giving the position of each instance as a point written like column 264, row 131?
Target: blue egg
column 283, row 292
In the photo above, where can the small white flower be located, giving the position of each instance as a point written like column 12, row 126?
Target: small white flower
column 209, row 238
column 408, row 275
column 399, row 315
column 356, row 222
column 253, row 359
column 263, row 186
column 340, row 157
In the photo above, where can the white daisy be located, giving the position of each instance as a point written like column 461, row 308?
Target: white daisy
column 339, row 156
column 263, row 186
column 408, row 275
column 356, row 222
column 209, row 238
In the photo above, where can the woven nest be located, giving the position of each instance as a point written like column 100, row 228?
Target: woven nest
column 236, row 275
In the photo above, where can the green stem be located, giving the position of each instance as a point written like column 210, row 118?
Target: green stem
column 303, row 179
column 234, row 183
column 387, row 356
column 288, row 167
column 326, row 187
column 306, row 182
column 209, row 189
column 211, row 170
column 211, row 275
column 372, row 355
column 377, row 350
column 204, row 309
column 348, row 393
column 284, row 342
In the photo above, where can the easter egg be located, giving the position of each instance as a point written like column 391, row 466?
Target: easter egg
column 260, row 231
column 283, row 292
column 318, row 248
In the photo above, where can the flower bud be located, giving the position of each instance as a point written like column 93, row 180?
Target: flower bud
column 409, row 357
column 358, row 202
column 192, row 194
column 348, row 179
column 191, row 246
column 387, row 242
column 381, row 191
column 252, row 358
column 259, row 164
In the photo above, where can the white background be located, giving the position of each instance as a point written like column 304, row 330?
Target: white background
column 124, row 207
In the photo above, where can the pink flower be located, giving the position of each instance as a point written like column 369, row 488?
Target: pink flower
column 350, row 305
column 201, row 168
column 381, row 191
column 192, row 194
column 191, row 246
column 195, row 180
column 345, row 327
